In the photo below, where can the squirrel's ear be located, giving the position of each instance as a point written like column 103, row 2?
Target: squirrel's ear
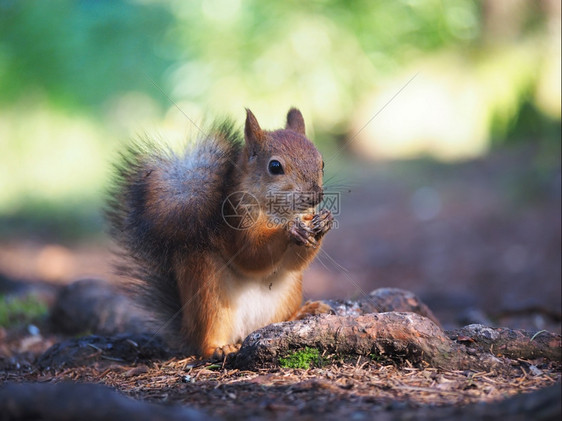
column 295, row 121
column 253, row 132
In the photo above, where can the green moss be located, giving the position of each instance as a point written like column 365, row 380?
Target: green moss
column 302, row 359
column 20, row 310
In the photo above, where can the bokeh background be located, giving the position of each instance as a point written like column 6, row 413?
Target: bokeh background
column 439, row 123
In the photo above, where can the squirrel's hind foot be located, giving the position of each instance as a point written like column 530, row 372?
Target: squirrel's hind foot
column 220, row 353
column 312, row 308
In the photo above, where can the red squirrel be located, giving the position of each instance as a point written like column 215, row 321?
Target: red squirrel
column 217, row 237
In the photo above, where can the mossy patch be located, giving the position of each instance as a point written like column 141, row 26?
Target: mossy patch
column 304, row 358
column 21, row 310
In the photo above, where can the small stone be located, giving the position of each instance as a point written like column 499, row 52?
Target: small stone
column 33, row 330
column 535, row 370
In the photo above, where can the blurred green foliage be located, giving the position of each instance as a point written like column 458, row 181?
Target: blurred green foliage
column 326, row 53
column 21, row 310
column 78, row 78
column 80, row 53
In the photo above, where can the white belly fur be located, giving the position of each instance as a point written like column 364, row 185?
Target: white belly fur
column 257, row 301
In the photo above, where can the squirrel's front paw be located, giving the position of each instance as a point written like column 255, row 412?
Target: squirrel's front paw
column 301, row 233
column 321, row 223
column 308, row 229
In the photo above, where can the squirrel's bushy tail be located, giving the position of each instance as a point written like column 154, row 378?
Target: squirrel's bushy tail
column 162, row 204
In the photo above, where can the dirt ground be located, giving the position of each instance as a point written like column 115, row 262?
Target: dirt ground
column 478, row 242
column 357, row 390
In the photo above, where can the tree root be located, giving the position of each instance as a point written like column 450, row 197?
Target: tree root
column 398, row 336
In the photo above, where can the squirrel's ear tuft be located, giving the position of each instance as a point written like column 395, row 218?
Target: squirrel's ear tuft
column 252, row 131
column 295, row 121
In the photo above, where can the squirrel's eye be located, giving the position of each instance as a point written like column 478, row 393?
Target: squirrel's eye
column 275, row 167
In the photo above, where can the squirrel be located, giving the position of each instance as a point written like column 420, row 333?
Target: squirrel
column 216, row 238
